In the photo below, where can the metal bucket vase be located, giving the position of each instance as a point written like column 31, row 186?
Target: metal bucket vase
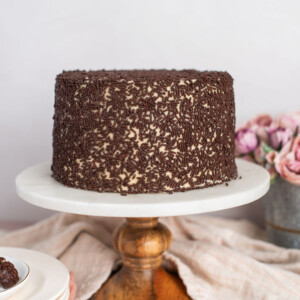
column 282, row 214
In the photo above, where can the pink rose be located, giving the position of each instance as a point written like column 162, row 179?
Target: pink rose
column 260, row 126
column 291, row 121
column 279, row 137
column 287, row 162
column 263, row 120
column 245, row 141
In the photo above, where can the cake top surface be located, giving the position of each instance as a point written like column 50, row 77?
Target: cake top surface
column 78, row 75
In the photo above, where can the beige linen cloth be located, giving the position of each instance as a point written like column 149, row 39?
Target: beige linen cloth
column 216, row 258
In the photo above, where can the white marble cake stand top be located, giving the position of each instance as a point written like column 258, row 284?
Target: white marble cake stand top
column 36, row 186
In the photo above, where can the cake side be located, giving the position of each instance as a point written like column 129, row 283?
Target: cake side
column 143, row 131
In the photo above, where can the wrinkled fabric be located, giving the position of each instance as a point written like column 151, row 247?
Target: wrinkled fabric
column 216, row 258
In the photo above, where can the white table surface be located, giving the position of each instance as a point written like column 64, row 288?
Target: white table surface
column 36, row 186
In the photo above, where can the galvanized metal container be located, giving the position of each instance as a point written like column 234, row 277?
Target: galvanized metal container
column 282, row 214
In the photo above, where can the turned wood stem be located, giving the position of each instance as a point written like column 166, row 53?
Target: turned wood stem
column 142, row 242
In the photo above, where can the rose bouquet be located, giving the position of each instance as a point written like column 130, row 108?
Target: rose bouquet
column 273, row 144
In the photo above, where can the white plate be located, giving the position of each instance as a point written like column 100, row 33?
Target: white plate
column 65, row 295
column 48, row 279
column 23, row 271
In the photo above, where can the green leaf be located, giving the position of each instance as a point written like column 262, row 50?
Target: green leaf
column 296, row 131
column 273, row 179
column 266, row 148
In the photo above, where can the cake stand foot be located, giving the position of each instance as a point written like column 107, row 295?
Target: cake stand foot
column 142, row 242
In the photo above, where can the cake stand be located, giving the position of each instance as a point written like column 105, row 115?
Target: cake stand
column 141, row 240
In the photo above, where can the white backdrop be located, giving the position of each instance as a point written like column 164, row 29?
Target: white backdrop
column 258, row 42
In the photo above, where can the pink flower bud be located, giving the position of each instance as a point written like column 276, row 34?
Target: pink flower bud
column 279, row 137
column 259, row 155
column 245, row 141
column 270, row 157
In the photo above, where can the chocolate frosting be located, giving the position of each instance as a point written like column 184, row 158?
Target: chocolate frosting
column 143, row 131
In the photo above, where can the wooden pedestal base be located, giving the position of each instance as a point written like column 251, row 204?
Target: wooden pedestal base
column 142, row 242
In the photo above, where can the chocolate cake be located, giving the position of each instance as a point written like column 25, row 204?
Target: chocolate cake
column 143, row 131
